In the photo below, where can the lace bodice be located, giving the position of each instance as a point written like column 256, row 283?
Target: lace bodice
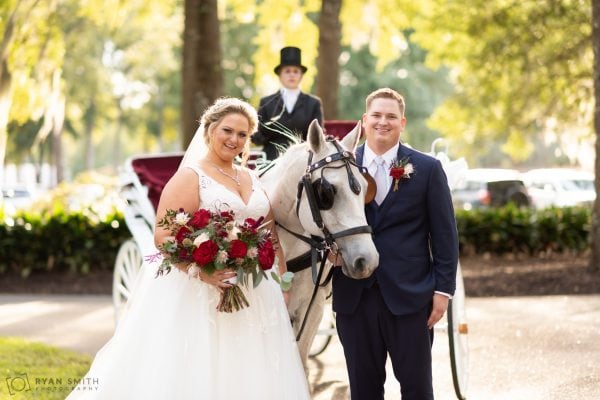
column 214, row 195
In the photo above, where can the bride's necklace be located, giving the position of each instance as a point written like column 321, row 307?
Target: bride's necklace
column 235, row 178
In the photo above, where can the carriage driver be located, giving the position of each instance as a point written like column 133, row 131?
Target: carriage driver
column 289, row 109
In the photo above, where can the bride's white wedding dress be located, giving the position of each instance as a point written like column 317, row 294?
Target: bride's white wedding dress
column 172, row 343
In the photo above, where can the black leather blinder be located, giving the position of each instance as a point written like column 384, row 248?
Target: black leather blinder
column 324, row 192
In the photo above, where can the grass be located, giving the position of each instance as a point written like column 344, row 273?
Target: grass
column 36, row 371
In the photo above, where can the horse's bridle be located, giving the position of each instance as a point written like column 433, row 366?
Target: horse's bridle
column 320, row 195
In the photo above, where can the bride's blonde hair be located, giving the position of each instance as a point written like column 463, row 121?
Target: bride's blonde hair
column 222, row 107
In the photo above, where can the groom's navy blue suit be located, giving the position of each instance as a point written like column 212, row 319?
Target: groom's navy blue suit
column 415, row 234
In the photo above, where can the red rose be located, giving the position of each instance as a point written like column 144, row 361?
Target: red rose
column 249, row 222
column 205, row 253
column 200, row 219
column 227, row 216
column 266, row 255
column 397, row 172
column 182, row 234
column 253, row 223
column 237, row 249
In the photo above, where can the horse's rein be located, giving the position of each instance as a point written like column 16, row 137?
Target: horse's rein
column 322, row 246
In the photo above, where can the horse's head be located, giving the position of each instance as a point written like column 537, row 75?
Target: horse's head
column 332, row 194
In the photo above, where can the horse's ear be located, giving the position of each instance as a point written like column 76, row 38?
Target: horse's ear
column 316, row 139
column 350, row 141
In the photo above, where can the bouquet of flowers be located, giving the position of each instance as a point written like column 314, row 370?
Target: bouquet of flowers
column 211, row 241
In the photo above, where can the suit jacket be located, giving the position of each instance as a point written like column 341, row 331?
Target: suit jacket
column 306, row 109
column 415, row 234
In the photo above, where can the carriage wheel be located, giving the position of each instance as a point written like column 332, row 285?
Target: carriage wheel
column 324, row 334
column 458, row 330
column 127, row 266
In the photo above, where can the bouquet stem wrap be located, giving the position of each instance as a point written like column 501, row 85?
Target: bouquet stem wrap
column 232, row 299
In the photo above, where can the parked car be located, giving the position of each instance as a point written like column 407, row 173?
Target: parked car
column 16, row 197
column 560, row 187
column 490, row 187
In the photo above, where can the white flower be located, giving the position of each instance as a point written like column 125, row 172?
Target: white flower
column 203, row 237
column 408, row 169
column 222, row 256
column 193, row 270
column 233, row 233
column 182, row 218
column 169, row 239
column 252, row 252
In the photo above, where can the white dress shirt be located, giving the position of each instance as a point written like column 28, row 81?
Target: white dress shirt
column 289, row 96
column 389, row 156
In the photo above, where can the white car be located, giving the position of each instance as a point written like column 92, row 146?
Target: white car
column 16, row 197
column 560, row 187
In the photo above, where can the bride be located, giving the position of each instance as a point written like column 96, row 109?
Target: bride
column 172, row 343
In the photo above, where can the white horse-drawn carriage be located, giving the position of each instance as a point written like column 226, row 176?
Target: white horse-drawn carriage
column 143, row 178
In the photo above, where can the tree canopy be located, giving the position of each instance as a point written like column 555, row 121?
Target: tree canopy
column 520, row 69
column 506, row 75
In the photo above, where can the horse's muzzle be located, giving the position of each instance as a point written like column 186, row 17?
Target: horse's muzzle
column 360, row 268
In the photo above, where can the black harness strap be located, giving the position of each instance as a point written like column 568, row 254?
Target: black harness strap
column 314, row 293
column 320, row 247
column 299, row 263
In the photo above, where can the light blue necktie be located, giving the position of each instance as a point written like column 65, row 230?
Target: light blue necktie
column 381, row 180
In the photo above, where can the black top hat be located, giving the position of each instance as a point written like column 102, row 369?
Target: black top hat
column 290, row 56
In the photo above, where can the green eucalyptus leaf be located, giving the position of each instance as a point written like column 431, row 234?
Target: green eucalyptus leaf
column 257, row 278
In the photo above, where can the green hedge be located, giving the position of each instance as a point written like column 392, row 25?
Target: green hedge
column 79, row 241
column 60, row 240
column 524, row 230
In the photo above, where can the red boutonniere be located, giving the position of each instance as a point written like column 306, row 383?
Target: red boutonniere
column 400, row 169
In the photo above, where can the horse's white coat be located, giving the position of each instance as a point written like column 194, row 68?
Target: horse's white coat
column 281, row 184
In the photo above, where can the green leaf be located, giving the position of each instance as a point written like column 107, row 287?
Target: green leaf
column 257, row 278
column 275, row 277
column 242, row 277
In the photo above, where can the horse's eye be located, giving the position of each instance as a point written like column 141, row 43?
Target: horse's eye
column 325, row 193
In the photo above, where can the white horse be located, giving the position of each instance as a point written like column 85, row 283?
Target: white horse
column 357, row 250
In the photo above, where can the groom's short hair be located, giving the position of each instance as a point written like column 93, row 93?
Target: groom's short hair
column 386, row 93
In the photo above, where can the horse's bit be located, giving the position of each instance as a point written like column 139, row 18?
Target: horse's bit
column 321, row 196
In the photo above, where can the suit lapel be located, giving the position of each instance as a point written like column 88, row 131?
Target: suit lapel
column 299, row 103
column 391, row 195
column 360, row 152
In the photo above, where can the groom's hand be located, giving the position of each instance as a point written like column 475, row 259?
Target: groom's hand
column 440, row 305
column 335, row 259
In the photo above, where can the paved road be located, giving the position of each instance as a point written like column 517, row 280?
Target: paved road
column 525, row 348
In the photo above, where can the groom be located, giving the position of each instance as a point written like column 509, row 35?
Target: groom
column 393, row 312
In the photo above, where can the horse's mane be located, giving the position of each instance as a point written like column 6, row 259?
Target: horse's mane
column 276, row 164
column 292, row 146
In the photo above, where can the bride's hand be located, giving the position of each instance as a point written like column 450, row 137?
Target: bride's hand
column 217, row 278
column 286, row 297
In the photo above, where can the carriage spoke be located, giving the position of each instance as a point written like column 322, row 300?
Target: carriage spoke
column 123, row 291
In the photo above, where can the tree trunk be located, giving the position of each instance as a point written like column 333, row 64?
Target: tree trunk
column 88, row 135
column 595, row 258
column 58, row 120
column 57, row 149
column 328, row 67
column 5, row 102
column 202, row 76
column 116, row 153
